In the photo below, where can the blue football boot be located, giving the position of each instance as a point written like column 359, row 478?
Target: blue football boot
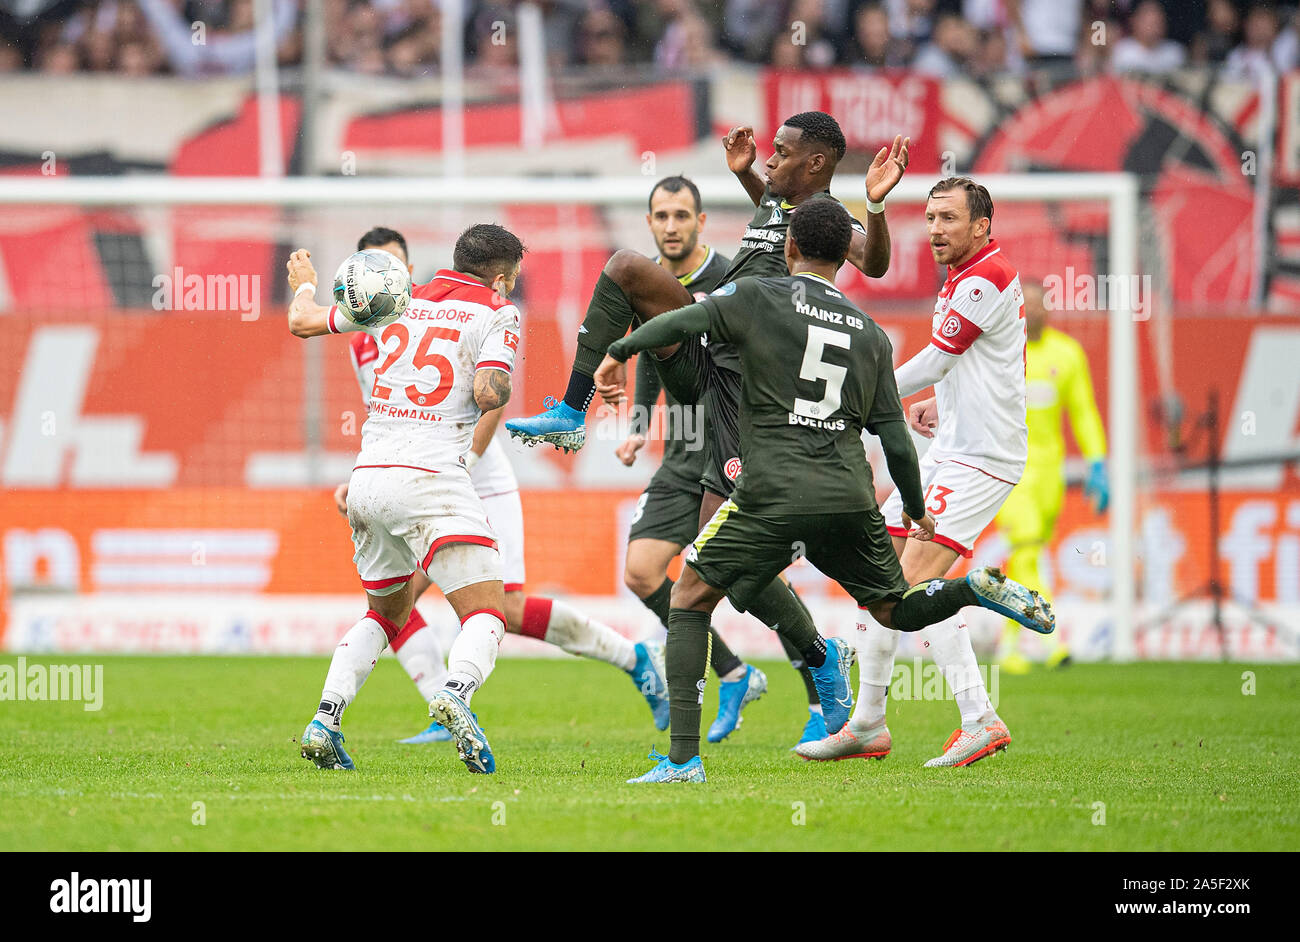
column 734, row 696
column 648, row 675
column 832, row 682
column 560, row 425
column 324, row 747
column 471, row 744
column 435, row 733
column 1010, row 598
column 669, row 771
column 814, row 730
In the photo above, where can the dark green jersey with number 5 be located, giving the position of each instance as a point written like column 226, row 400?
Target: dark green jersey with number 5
column 816, row 371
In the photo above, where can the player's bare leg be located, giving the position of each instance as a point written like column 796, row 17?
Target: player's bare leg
column 354, row 659
column 558, row 623
column 631, row 287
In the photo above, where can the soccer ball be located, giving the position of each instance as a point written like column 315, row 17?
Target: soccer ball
column 372, row 288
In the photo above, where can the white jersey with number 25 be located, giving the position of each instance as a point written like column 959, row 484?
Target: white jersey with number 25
column 422, row 411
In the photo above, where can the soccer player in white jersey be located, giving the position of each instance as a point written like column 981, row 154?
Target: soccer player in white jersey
column 411, row 505
column 417, row 648
column 976, row 363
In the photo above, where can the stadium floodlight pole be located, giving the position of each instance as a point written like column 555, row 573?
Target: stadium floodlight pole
column 452, row 55
column 266, row 78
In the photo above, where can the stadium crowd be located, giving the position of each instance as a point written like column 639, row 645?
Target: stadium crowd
column 946, row 38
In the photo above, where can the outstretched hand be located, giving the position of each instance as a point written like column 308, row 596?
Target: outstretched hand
column 300, row 269
column 741, row 149
column 888, row 168
column 611, row 380
column 924, row 527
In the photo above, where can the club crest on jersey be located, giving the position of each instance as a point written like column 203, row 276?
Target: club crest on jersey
column 951, row 327
column 732, row 469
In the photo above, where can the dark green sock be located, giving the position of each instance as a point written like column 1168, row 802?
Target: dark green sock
column 657, row 601
column 931, row 602
column 609, row 315
column 686, row 660
column 797, row 662
column 721, row 658
column 780, row 609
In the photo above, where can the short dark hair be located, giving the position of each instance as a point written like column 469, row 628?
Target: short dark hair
column 819, row 126
column 382, row 235
column 978, row 200
column 821, row 229
column 486, row 249
column 676, row 184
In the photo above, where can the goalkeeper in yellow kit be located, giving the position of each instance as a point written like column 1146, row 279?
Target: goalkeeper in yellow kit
column 1056, row 378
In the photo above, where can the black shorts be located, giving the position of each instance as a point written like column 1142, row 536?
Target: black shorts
column 669, row 509
column 691, row 376
column 741, row 553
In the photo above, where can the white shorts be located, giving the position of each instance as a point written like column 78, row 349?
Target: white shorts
column 963, row 501
column 403, row 518
column 495, row 483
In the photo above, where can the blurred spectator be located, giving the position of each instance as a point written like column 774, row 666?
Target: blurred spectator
column 991, row 55
column 911, row 21
column 1260, row 54
column 1047, row 31
column 57, row 59
column 228, row 49
column 495, row 40
column 872, row 43
column 1146, row 49
column 602, row 39
column 951, row 49
column 686, row 44
column 11, row 57
column 1221, row 33
column 1286, row 51
column 806, row 26
column 749, row 27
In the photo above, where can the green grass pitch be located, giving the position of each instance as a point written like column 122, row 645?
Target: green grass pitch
column 201, row 754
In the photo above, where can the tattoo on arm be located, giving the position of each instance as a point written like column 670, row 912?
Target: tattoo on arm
column 491, row 389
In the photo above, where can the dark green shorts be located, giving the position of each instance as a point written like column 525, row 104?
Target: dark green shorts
column 742, row 552
column 667, row 510
column 691, row 376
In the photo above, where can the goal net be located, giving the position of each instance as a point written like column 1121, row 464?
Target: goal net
column 169, row 450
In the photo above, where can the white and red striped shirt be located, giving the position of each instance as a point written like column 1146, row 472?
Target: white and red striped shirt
column 980, row 319
column 417, row 373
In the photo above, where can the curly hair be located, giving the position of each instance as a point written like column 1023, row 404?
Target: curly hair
column 821, row 127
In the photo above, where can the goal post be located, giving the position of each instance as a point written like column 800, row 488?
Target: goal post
column 1118, row 192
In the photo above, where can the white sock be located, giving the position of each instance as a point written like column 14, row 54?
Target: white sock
column 421, row 656
column 876, row 648
column 949, row 645
column 815, row 708
column 353, row 660
column 574, row 632
column 734, row 674
column 474, row 654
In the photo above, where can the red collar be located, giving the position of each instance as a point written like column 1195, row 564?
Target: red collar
column 977, row 257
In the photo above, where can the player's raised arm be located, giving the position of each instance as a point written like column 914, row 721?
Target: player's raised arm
column 870, row 252
column 306, row 317
column 741, row 153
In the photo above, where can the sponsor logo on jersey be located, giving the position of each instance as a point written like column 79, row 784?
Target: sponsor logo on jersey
column 934, row 587
column 512, row 340
column 951, row 327
column 728, row 288
column 776, row 218
column 976, row 294
column 732, row 469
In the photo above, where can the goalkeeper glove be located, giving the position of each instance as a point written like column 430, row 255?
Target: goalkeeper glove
column 1097, row 487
